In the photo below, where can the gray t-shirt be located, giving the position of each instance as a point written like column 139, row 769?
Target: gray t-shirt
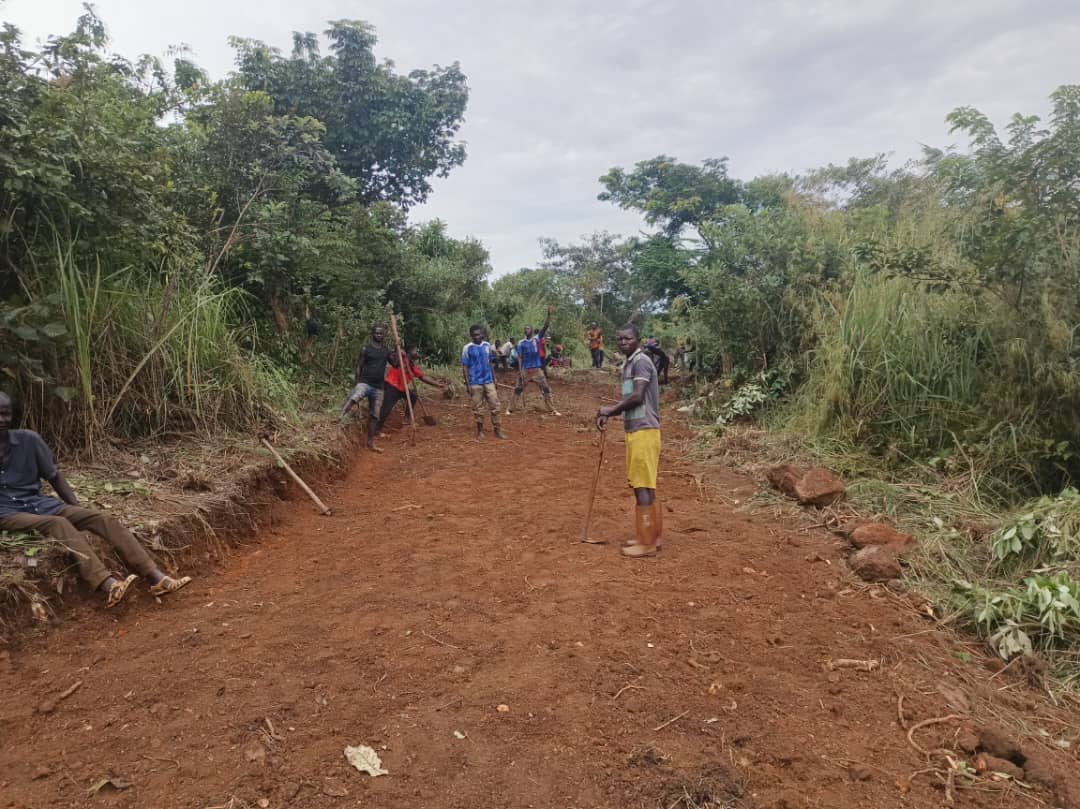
column 646, row 416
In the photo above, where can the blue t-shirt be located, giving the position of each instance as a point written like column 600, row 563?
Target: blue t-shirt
column 477, row 359
column 529, row 351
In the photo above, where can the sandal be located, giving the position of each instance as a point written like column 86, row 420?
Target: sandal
column 118, row 591
column 169, row 585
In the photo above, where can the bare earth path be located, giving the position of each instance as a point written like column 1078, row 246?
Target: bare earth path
column 448, row 583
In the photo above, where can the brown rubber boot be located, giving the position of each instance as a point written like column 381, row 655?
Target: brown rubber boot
column 658, row 522
column 645, row 529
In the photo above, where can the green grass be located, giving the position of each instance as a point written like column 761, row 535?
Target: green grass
column 150, row 353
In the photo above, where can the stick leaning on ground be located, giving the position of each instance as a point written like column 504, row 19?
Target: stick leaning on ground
column 592, row 494
column 299, row 481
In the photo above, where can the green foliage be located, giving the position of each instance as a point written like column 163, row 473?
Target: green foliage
column 521, row 299
column 932, row 306
column 1046, row 531
column 391, row 133
column 673, row 195
column 753, row 295
column 1044, row 613
column 162, row 235
column 140, row 353
column 903, row 372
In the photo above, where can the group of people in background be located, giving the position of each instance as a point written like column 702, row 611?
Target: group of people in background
column 478, row 361
column 651, row 348
column 639, row 405
column 384, row 377
column 506, row 357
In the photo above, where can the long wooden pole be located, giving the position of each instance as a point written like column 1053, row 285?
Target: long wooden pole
column 592, row 493
column 299, row 481
column 404, row 378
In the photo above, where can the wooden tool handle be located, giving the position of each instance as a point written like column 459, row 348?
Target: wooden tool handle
column 299, row 481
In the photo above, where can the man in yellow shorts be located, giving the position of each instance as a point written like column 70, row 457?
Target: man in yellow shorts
column 640, row 409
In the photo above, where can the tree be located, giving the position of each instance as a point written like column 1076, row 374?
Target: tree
column 1016, row 201
column 390, row 132
column 673, row 195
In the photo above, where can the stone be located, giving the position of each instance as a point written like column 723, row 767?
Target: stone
column 878, row 533
column 990, row 763
column 819, row 487
column 874, row 563
column 784, row 478
column 290, row 790
column 333, row 788
column 860, row 772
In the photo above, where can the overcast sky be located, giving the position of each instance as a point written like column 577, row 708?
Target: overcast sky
column 562, row 90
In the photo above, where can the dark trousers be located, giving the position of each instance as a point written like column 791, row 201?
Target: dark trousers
column 597, row 357
column 391, row 396
column 65, row 527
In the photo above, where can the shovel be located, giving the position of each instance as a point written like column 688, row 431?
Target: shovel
column 429, row 420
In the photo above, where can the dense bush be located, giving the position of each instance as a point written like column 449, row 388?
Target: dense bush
column 163, row 236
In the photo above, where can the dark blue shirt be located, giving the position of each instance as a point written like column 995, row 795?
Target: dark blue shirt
column 477, row 360
column 25, row 462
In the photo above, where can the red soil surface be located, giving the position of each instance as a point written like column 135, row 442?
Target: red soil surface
column 449, row 582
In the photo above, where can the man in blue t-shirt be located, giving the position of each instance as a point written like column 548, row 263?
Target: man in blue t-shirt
column 480, row 380
column 530, row 366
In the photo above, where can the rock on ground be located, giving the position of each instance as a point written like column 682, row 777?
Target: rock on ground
column 783, row 478
column 878, row 533
column 875, row 563
column 819, row 487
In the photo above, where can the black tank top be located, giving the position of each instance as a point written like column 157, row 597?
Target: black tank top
column 374, row 368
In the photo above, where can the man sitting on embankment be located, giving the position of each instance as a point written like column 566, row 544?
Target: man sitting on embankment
column 25, row 460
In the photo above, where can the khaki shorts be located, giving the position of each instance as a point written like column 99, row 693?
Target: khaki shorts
column 642, row 458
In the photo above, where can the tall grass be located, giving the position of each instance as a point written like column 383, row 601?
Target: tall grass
column 149, row 353
column 902, row 370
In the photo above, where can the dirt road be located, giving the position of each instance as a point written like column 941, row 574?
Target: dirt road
column 450, row 583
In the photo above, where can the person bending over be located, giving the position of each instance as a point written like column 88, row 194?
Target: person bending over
column 25, row 460
column 398, row 382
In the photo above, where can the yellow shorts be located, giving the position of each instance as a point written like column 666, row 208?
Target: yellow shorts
column 642, row 458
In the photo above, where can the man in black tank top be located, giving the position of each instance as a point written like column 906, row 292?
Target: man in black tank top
column 370, row 371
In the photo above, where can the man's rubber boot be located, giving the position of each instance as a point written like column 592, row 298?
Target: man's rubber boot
column 645, row 530
column 658, row 522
